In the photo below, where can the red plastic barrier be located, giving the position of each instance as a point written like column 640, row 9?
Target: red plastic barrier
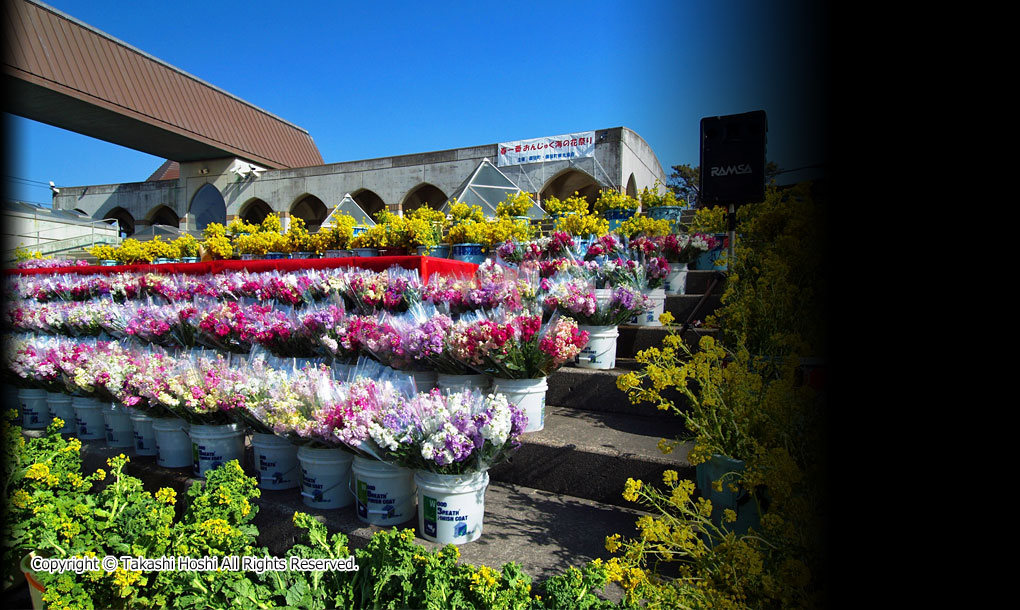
column 426, row 266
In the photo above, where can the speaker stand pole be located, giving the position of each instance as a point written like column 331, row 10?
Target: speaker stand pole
column 732, row 231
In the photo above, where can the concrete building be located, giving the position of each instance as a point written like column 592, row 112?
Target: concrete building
column 192, row 194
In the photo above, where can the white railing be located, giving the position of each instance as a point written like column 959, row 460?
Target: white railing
column 45, row 246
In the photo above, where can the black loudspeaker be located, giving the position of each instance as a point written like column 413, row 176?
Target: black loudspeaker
column 733, row 158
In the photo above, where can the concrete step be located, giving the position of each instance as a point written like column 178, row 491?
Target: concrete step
column 593, row 390
column 683, row 305
column 591, row 454
column 545, row 531
column 699, row 280
column 634, row 338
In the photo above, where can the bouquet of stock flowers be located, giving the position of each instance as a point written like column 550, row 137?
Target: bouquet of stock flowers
column 272, row 406
column 517, row 345
column 171, row 325
column 454, row 433
column 684, row 248
column 32, row 364
column 206, row 389
column 281, row 332
column 147, row 380
column 575, row 296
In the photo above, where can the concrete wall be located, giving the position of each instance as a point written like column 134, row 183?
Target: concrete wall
column 619, row 154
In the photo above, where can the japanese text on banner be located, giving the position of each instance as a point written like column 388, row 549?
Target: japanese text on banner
column 553, row 148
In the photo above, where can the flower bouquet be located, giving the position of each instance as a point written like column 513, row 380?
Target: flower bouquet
column 685, row 248
column 577, row 297
column 455, row 433
column 206, row 389
column 281, row 332
column 165, row 325
column 517, row 345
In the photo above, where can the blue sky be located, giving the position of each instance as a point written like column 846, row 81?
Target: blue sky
column 374, row 79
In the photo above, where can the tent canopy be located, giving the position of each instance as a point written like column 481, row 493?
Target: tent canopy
column 488, row 187
column 350, row 207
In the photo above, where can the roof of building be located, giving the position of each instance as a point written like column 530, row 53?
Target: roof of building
column 66, row 73
column 170, row 170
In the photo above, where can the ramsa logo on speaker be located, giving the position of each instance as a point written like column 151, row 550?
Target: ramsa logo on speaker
column 731, row 170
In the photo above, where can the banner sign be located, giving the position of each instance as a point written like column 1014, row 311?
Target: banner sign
column 554, row 148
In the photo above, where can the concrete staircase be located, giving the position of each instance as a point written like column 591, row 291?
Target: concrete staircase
column 554, row 503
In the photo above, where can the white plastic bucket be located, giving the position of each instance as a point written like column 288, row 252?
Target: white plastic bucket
column 457, row 383
column 425, row 381
column 35, row 588
column 173, row 444
column 529, row 395
column 144, row 435
column 450, row 506
column 60, row 406
column 35, row 413
column 88, row 417
column 600, row 351
column 276, row 462
column 676, row 281
column 119, row 430
column 325, row 477
column 384, row 494
column 213, row 445
column 651, row 317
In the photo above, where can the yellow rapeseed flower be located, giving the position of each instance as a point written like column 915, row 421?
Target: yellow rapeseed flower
column 37, row 471
column 21, row 499
column 167, row 495
column 630, row 490
column 613, row 543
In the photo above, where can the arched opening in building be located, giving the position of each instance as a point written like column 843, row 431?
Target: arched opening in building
column 311, row 210
column 632, row 187
column 425, row 194
column 164, row 215
column 255, row 211
column 572, row 180
column 369, row 201
column 208, row 207
column 126, row 220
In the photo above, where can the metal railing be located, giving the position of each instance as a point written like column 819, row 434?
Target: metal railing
column 53, row 246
